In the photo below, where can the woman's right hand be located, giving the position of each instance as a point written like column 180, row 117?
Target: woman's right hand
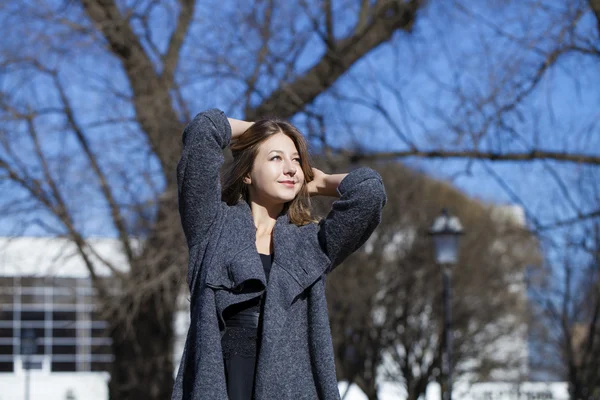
column 238, row 127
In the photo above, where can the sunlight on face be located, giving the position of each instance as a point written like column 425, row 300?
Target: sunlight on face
column 276, row 175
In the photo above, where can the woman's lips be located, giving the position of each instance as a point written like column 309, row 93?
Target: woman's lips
column 289, row 184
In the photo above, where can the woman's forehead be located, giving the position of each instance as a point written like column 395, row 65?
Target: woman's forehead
column 280, row 143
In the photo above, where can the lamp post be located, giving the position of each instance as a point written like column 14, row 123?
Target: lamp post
column 446, row 231
column 28, row 348
column 70, row 395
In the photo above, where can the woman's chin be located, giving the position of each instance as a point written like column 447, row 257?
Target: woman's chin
column 285, row 197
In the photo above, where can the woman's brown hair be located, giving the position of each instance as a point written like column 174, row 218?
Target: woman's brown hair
column 244, row 149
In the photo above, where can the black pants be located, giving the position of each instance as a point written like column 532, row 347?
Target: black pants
column 241, row 344
column 239, row 371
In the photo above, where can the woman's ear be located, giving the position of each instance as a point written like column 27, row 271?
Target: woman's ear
column 247, row 180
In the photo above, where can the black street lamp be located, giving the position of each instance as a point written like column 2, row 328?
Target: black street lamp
column 28, row 348
column 446, row 231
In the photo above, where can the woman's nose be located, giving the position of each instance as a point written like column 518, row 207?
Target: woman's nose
column 290, row 169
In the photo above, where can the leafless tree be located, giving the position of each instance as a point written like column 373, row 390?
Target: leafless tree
column 566, row 296
column 386, row 303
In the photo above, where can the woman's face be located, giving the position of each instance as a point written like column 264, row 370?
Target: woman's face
column 276, row 175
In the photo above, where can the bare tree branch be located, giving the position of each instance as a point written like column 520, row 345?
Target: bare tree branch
column 329, row 32
column 466, row 154
column 150, row 92
column 595, row 6
column 115, row 212
column 291, row 98
column 265, row 34
column 116, row 30
column 171, row 57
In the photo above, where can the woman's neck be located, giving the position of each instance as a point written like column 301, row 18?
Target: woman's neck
column 264, row 217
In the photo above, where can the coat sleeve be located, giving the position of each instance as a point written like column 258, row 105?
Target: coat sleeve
column 354, row 216
column 198, row 178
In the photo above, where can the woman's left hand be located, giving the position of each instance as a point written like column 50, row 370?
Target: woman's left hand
column 318, row 183
column 324, row 184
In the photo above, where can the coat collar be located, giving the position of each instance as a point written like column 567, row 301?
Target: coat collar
column 288, row 244
column 242, row 210
column 237, row 272
column 283, row 229
column 237, row 256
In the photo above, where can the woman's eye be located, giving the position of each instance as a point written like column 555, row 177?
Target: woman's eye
column 297, row 160
column 275, row 157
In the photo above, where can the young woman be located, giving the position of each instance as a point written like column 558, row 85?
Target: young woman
column 257, row 260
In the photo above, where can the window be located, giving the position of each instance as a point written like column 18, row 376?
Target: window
column 6, row 326
column 70, row 332
column 70, row 316
column 100, row 366
column 6, row 296
column 63, row 366
column 6, row 349
column 6, row 366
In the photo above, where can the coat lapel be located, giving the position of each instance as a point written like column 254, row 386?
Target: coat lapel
column 300, row 258
column 235, row 271
column 298, row 263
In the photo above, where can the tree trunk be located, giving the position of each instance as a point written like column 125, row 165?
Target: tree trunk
column 412, row 395
column 142, row 367
column 143, row 315
column 372, row 395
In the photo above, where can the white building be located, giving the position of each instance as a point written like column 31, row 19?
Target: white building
column 45, row 288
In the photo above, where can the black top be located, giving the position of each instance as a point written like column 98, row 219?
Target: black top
column 241, row 341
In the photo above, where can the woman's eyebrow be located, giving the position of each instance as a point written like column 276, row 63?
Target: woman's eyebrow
column 281, row 152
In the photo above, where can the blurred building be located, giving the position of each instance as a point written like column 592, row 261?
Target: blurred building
column 45, row 289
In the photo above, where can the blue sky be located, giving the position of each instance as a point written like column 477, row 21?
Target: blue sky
column 415, row 77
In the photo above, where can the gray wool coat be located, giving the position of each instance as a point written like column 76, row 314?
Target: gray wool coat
column 296, row 356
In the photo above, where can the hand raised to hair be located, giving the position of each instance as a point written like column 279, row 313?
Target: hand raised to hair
column 325, row 184
column 315, row 187
column 238, row 127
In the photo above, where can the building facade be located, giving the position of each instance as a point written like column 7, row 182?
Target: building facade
column 46, row 293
